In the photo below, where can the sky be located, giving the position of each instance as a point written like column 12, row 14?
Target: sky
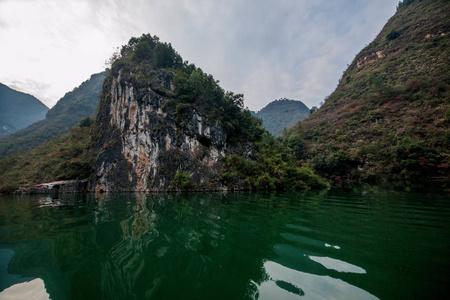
column 265, row 49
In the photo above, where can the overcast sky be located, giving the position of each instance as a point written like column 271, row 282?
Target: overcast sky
column 265, row 49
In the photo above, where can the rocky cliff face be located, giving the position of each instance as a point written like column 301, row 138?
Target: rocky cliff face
column 145, row 148
column 163, row 124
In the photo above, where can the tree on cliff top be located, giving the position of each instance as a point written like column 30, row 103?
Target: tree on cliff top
column 146, row 62
column 193, row 88
column 149, row 50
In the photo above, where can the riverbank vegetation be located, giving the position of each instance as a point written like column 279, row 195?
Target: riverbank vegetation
column 258, row 161
column 68, row 156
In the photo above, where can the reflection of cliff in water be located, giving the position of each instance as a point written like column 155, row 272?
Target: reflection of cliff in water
column 127, row 269
column 178, row 247
column 137, row 246
column 48, row 237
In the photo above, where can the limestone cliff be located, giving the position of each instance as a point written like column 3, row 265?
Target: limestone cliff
column 164, row 124
column 144, row 147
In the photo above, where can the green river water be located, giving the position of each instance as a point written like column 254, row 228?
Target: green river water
column 367, row 243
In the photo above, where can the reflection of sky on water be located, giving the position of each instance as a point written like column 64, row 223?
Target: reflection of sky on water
column 332, row 246
column 303, row 270
column 197, row 246
column 7, row 279
column 338, row 265
column 286, row 283
column 18, row 287
column 30, row 290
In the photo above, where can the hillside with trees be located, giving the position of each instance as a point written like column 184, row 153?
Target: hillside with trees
column 161, row 118
column 153, row 96
column 157, row 65
column 65, row 157
column 389, row 117
column 281, row 114
column 81, row 102
column 18, row 110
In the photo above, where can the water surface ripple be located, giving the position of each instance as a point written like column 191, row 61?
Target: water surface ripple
column 368, row 243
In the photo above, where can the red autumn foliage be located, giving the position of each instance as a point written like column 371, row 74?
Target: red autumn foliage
column 354, row 109
column 400, row 98
column 423, row 161
column 412, row 85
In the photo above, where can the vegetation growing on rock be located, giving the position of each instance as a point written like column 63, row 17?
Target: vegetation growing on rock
column 158, row 65
column 170, row 126
column 387, row 117
column 275, row 169
column 68, row 156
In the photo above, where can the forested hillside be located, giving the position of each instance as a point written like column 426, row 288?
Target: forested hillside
column 68, row 111
column 18, row 110
column 67, row 156
column 281, row 114
column 162, row 125
column 389, row 117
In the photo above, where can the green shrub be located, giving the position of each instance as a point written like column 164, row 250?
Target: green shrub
column 182, row 111
column 404, row 3
column 86, row 122
column 265, row 182
column 9, row 188
column 182, row 180
column 275, row 169
column 392, row 35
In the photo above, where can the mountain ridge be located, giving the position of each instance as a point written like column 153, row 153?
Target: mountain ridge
column 81, row 102
column 389, row 115
column 162, row 125
column 18, row 110
column 282, row 113
column 166, row 125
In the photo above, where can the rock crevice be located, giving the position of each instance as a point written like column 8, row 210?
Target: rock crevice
column 143, row 146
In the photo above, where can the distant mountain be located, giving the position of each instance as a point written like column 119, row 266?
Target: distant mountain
column 389, row 117
column 162, row 125
column 18, row 110
column 282, row 113
column 68, row 111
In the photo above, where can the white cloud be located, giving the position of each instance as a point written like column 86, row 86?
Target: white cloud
column 264, row 49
